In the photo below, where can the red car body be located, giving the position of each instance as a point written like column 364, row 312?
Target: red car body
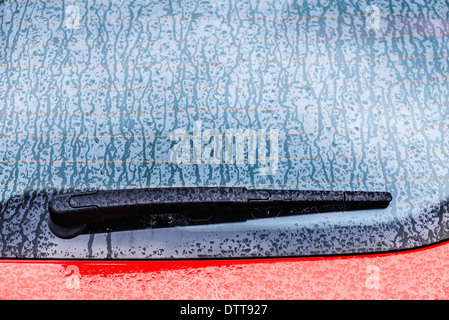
column 415, row 274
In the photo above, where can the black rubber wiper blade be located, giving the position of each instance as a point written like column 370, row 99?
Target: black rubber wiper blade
column 70, row 213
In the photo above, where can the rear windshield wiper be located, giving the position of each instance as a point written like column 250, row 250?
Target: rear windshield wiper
column 70, row 213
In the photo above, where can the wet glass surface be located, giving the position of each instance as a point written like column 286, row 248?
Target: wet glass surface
column 320, row 95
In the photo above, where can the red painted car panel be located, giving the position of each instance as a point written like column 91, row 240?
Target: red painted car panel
column 416, row 274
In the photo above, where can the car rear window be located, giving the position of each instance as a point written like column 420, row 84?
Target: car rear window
column 316, row 95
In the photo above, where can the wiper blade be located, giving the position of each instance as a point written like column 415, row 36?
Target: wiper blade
column 70, row 213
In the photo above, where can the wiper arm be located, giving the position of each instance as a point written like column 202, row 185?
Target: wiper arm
column 70, row 213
